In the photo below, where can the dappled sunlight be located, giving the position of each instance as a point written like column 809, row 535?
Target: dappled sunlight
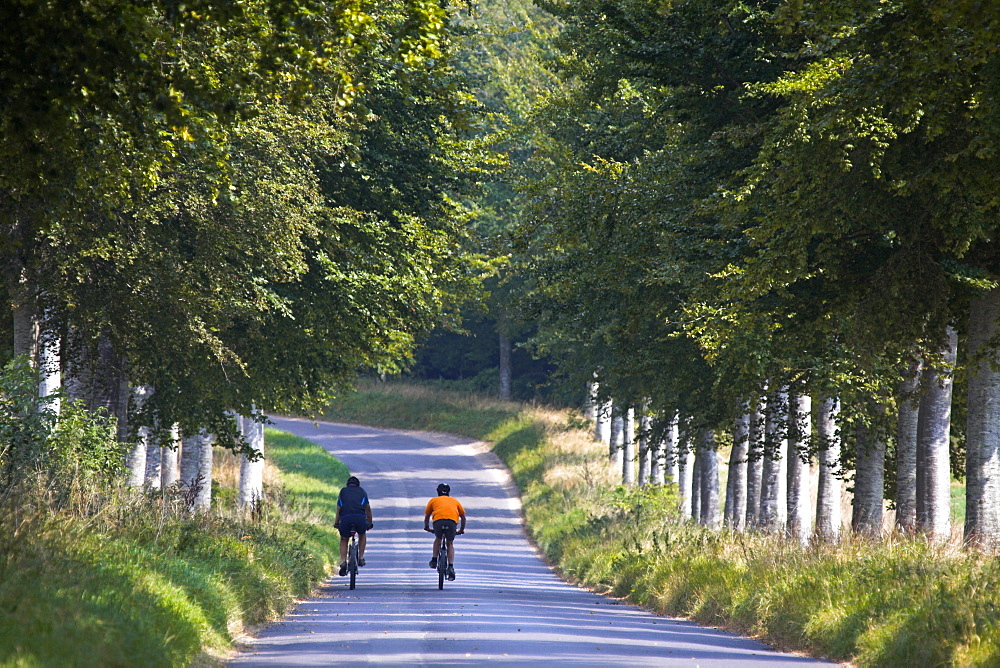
column 506, row 606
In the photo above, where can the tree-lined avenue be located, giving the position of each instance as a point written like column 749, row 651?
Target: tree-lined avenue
column 505, row 607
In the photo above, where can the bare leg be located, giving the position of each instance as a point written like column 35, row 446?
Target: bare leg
column 362, row 541
column 343, row 549
column 437, row 545
column 451, row 552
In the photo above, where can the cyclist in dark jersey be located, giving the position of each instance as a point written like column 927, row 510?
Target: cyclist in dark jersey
column 354, row 513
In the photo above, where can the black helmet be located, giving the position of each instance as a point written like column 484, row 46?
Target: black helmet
column 353, row 482
column 444, row 488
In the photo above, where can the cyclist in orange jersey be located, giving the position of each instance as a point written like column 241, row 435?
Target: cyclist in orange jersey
column 449, row 521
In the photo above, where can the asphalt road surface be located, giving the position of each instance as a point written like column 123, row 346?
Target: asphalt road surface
column 506, row 607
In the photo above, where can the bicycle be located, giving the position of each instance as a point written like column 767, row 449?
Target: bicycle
column 442, row 559
column 352, row 558
column 442, row 564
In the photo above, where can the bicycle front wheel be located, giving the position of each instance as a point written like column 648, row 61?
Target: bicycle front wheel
column 352, row 563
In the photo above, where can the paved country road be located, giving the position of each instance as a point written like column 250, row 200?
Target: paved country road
column 506, row 606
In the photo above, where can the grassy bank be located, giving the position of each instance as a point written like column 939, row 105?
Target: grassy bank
column 140, row 583
column 892, row 603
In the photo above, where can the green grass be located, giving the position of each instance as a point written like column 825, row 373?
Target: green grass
column 140, row 584
column 898, row 602
column 414, row 407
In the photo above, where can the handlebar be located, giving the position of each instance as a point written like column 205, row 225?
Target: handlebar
column 457, row 533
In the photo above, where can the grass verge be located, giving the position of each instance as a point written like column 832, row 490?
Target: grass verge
column 898, row 602
column 141, row 583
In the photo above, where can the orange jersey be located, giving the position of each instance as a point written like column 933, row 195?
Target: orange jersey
column 444, row 508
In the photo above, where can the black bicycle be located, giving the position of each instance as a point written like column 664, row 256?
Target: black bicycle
column 442, row 566
column 442, row 559
column 353, row 559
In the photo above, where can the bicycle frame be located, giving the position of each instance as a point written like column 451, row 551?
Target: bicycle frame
column 352, row 558
column 442, row 563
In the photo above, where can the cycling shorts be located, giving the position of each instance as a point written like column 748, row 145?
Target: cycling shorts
column 445, row 528
column 349, row 523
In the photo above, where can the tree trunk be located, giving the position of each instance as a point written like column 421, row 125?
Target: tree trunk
column 50, row 363
column 828, row 518
column 982, row 431
column 96, row 375
column 196, row 470
column 669, row 453
column 685, row 473
column 645, row 451
column 170, row 471
column 26, row 325
column 135, row 462
column 906, row 449
column 203, row 498
column 251, row 489
column 628, row 446
column 697, row 464
column 869, row 484
column 755, row 462
column 934, row 442
column 799, row 436
column 773, row 479
column 590, row 408
column 736, row 484
column 616, row 449
column 153, row 463
column 506, row 369
column 190, row 460
column 709, row 480
column 602, row 423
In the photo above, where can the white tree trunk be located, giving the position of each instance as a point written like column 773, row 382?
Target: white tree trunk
column 251, row 489
column 170, row 471
column 203, row 499
column 153, row 463
column 96, row 375
column 135, row 462
column 190, row 460
column 196, row 469
column 590, row 407
column 685, row 473
column 602, row 423
column 616, row 450
column 934, row 442
column 869, row 484
column 506, row 366
column 628, row 447
column 734, row 516
column 773, row 479
column 709, row 480
column 799, row 443
column 828, row 519
column 26, row 325
column 755, row 462
column 696, row 475
column 50, row 364
column 906, row 448
column 982, row 431
column 645, row 451
column 670, row 456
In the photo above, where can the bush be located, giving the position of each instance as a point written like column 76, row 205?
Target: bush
column 127, row 578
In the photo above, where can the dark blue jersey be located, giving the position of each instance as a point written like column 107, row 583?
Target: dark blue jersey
column 352, row 501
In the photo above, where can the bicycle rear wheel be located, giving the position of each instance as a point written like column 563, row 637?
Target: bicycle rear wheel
column 442, row 565
column 352, row 562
